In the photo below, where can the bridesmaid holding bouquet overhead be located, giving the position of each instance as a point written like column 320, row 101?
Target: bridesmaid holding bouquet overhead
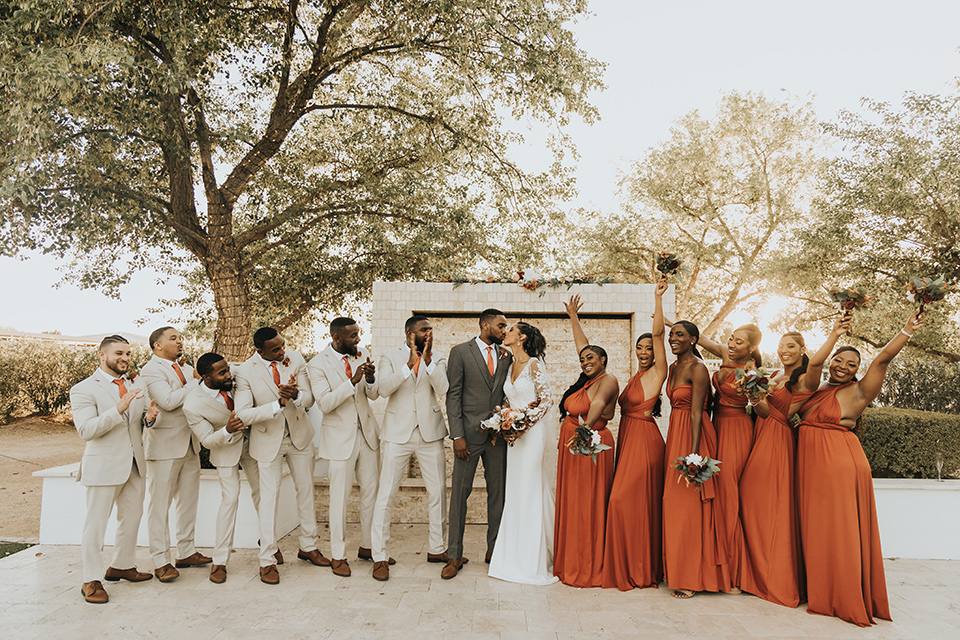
column 583, row 486
column 632, row 555
column 694, row 556
column 838, row 515
column 771, row 565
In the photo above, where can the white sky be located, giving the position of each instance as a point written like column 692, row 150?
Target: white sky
column 664, row 59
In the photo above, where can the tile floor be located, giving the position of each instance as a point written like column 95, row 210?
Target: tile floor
column 40, row 598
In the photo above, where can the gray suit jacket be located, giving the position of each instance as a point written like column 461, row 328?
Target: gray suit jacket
column 473, row 392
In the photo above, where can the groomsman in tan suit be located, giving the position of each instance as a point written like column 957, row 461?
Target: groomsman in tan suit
column 344, row 383
column 173, row 456
column 272, row 394
column 413, row 379
column 109, row 412
column 210, row 412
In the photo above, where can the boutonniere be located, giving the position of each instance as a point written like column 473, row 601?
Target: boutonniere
column 182, row 361
column 359, row 353
column 286, row 362
column 132, row 376
column 504, row 353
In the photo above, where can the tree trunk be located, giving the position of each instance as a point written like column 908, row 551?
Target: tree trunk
column 231, row 296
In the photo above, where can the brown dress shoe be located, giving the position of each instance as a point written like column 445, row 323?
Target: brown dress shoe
column 94, row 593
column 341, row 568
column 365, row 554
column 314, row 556
column 197, row 559
column 278, row 557
column 451, row 569
column 126, row 574
column 270, row 575
column 437, row 557
column 218, row 573
column 381, row 571
column 166, row 573
column 487, row 557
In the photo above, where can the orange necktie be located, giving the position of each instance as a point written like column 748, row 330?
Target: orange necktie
column 227, row 399
column 490, row 366
column 123, row 387
column 416, row 366
column 176, row 368
column 276, row 373
column 347, row 367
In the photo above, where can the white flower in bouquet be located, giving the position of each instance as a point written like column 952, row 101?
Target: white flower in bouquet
column 594, row 438
column 694, row 458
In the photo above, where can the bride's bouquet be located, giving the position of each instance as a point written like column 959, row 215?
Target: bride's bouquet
column 586, row 442
column 696, row 469
column 509, row 423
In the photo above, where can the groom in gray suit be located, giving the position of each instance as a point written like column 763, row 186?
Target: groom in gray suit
column 476, row 370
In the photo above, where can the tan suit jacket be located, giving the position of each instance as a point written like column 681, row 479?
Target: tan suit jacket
column 413, row 401
column 343, row 405
column 170, row 436
column 112, row 440
column 207, row 417
column 254, row 394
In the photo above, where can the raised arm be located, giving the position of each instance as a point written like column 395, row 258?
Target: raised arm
column 659, row 351
column 572, row 307
column 810, row 381
column 872, row 381
column 700, row 383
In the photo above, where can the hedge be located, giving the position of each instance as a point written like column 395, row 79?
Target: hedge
column 903, row 443
column 926, row 385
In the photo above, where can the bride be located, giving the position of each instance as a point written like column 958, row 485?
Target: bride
column 524, row 548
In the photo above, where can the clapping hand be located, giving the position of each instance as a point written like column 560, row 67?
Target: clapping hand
column 289, row 391
column 152, row 411
column 127, row 398
column 234, row 424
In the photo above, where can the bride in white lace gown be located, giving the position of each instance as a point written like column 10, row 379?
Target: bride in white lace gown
column 524, row 548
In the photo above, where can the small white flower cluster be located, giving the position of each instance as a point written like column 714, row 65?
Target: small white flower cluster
column 694, row 458
column 594, row 438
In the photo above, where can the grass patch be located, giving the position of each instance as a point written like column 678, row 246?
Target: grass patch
column 9, row 548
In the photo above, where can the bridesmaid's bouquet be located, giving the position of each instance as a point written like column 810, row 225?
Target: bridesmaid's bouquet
column 754, row 383
column 850, row 298
column 927, row 290
column 586, row 442
column 668, row 264
column 696, row 469
column 509, row 423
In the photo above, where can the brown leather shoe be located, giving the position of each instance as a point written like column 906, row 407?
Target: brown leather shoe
column 197, row 559
column 126, row 574
column 437, row 557
column 166, row 573
column 340, row 568
column 278, row 557
column 94, row 593
column 270, row 575
column 381, row 571
column 314, row 556
column 218, row 573
column 487, row 557
column 365, row 554
column 451, row 569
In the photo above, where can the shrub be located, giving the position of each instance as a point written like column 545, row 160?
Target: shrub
column 925, row 385
column 903, row 443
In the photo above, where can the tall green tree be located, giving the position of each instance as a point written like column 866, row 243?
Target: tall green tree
column 721, row 193
column 280, row 155
column 889, row 211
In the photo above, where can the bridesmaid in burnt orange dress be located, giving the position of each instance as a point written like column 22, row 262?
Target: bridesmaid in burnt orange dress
column 694, row 557
column 838, row 515
column 771, row 565
column 632, row 555
column 583, row 487
column 734, row 432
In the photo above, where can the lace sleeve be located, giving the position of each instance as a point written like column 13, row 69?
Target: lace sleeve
column 542, row 384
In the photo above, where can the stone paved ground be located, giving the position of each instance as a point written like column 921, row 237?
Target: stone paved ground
column 40, row 598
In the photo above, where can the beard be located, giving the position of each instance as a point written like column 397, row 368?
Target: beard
column 350, row 350
column 496, row 339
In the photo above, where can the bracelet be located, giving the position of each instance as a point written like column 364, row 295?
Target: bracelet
column 909, row 335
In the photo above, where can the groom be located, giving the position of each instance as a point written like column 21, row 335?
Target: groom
column 476, row 371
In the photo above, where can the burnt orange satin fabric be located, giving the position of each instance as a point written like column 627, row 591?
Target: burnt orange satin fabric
column 771, row 565
column 582, row 492
column 632, row 556
column 734, row 442
column 694, row 556
column 838, row 517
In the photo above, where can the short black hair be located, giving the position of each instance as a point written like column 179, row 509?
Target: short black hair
column 109, row 340
column 206, row 361
column 489, row 314
column 157, row 334
column 341, row 323
column 261, row 335
column 413, row 321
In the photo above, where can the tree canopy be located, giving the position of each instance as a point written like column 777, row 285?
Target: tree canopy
column 278, row 155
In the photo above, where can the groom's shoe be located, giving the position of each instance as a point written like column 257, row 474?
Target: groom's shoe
column 451, row 569
column 487, row 557
column 442, row 557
